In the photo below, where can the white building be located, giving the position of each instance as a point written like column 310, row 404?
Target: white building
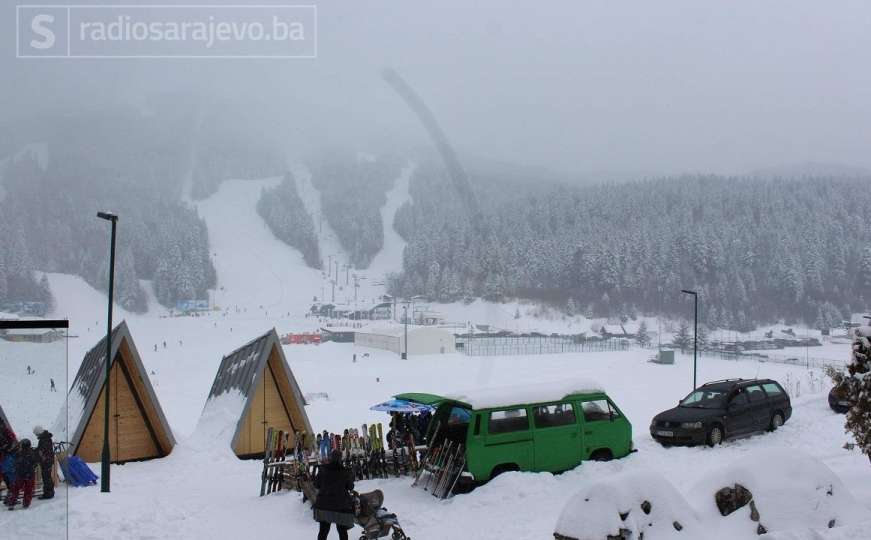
column 421, row 339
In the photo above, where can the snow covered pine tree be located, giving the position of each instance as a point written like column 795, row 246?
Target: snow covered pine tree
column 859, row 389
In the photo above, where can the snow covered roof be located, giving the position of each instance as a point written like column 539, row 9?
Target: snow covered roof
column 488, row 398
column 88, row 385
column 238, row 375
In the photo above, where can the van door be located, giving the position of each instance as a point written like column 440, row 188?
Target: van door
column 599, row 432
column 557, row 437
column 509, row 441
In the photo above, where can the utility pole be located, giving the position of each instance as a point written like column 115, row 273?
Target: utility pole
column 330, row 267
column 334, row 291
column 107, row 457
column 405, row 317
column 695, row 332
column 337, row 268
column 347, row 273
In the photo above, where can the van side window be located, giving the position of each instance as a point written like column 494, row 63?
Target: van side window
column 597, row 410
column 507, row 421
column 477, row 424
column 560, row 414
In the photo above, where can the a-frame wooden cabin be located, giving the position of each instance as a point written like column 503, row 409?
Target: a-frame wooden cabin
column 138, row 430
column 271, row 396
column 4, row 419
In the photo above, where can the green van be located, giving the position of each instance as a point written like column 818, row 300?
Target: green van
column 539, row 427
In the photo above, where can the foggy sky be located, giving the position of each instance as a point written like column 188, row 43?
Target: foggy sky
column 592, row 88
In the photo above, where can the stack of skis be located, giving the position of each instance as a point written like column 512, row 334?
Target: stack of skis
column 279, row 459
column 364, row 453
column 441, row 469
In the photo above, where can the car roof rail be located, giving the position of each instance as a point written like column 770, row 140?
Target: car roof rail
column 725, row 380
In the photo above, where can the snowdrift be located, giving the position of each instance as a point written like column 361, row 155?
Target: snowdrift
column 791, row 491
column 632, row 504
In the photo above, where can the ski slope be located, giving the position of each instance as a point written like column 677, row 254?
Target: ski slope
column 257, row 272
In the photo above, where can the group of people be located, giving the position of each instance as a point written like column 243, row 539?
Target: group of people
column 18, row 462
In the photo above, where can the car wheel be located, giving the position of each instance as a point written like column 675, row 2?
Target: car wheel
column 776, row 422
column 715, row 436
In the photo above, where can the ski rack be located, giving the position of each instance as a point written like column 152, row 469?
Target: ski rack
column 443, row 466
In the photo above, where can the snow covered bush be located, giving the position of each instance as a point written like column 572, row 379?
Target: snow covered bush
column 629, row 505
column 776, row 489
column 859, row 390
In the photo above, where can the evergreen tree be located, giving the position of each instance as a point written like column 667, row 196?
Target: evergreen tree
column 859, row 390
column 683, row 339
column 642, row 337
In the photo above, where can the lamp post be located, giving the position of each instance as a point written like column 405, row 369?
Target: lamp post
column 695, row 331
column 104, row 467
column 405, row 318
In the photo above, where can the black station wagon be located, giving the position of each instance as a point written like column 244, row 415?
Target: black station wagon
column 723, row 409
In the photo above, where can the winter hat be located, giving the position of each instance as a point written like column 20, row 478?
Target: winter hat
column 38, row 430
column 335, row 457
column 25, row 443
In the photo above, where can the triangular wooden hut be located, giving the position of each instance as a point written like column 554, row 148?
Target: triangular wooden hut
column 138, row 430
column 3, row 418
column 258, row 371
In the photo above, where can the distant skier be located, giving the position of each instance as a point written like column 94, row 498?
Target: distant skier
column 53, row 388
column 45, row 453
column 155, row 347
column 29, row 371
column 164, row 344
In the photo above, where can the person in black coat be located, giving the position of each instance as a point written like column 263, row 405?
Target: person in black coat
column 45, row 452
column 334, row 503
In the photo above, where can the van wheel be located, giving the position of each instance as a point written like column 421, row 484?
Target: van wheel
column 602, row 455
column 715, row 435
column 776, row 421
column 499, row 469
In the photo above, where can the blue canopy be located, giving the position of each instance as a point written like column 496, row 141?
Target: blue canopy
column 400, row 405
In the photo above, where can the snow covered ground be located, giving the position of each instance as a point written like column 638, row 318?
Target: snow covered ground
column 202, row 491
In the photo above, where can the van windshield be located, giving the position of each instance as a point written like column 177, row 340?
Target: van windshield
column 704, row 399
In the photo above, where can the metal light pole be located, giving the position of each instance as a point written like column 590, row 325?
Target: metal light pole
column 104, row 467
column 405, row 317
column 695, row 331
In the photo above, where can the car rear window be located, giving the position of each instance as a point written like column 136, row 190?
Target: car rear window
column 507, row 421
column 755, row 393
column 772, row 389
column 560, row 414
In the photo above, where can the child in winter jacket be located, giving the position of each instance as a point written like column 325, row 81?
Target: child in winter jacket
column 25, row 469
column 7, row 440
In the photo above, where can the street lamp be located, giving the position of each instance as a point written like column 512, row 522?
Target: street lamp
column 695, row 331
column 405, row 318
column 104, row 467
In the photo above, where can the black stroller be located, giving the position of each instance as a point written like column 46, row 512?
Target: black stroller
column 376, row 521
